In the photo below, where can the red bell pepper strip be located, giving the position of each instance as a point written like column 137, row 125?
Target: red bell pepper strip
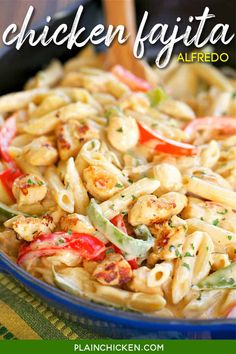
column 133, row 263
column 118, row 221
column 83, row 245
column 132, row 81
column 7, row 177
column 225, row 124
column 7, row 133
column 164, row 144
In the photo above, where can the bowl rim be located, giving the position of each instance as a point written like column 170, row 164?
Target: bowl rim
column 102, row 311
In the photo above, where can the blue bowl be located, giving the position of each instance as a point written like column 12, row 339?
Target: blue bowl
column 115, row 323
column 15, row 68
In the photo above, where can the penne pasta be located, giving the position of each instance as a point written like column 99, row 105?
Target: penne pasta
column 120, row 201
column 73, row 180
column 211, row 191
column 48, row 123
column 62, row 194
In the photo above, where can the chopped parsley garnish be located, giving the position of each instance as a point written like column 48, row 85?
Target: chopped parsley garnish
column 234, row 94
column 215, row 222
column 93, row 144
column 177, row 253
column 222, row 212
column 192, row 245
column 110, row 250
column 187, row 254
column 119, row 185
column 201, row 218
column 133, row 197
column 112, row 207
column 60, row 240
column 229, row 237
column 124, row 212
column 40, row 183
column 170, row 223
column 30, row 181
column 154, row 125
column 186, row 265
column 120, row 130
column 69, row 232
column 199, row 297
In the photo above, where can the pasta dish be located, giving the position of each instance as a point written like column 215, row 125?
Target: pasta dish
column 122, row 190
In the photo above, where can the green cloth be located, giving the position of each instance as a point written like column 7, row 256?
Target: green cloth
column 24, row 316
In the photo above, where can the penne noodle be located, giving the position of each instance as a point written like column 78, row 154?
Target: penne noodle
column 18, row 100
column 48, row 77
column 48, row 123
column 159, row 274
column 120, row 201
column 211, row 191
column 219, row 236
column 72, row 178
column 62, row 194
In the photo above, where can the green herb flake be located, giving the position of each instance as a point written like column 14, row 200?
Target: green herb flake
column 29, row 181
column 222, row 212
column 215, row 222
column 40, row 183
column 110, row 250
column 201, row 218
column 112, row 207
column 187, row 254
column 69, row 232
column 234, row 95
column 119, row 185
column 120, row 130
column 199, row 298
column 229, row 237
column 177, row 253
column 170, row 223
column 186, row 265
column 60, row 240
column 156, row 96
column 133, row 197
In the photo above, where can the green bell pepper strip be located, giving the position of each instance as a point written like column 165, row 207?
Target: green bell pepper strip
column 156, row 96
column 224, row 278
column 7, row 213
column 130, row 246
